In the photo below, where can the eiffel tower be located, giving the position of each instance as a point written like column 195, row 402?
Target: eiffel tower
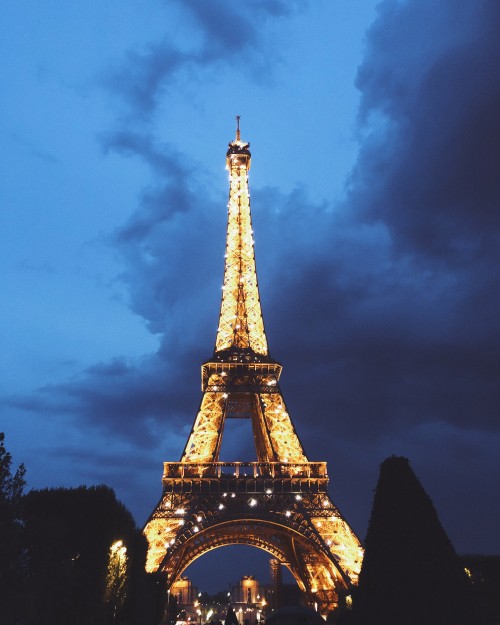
column 279, row 503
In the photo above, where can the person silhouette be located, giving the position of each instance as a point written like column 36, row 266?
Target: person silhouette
column 231, row 618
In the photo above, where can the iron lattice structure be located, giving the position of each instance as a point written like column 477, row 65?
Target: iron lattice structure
column 279, row 503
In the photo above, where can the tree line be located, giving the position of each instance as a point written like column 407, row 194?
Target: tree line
column 75, row 556
column 71, row 556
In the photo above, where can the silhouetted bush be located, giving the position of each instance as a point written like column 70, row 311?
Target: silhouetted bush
column 71, row 576
column 410, row 574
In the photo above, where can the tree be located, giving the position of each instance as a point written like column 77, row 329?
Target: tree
column 68, row 534
column 115, row 591
column 146, row 600
column 410, row 573
column 11, row 561
column 85, row 561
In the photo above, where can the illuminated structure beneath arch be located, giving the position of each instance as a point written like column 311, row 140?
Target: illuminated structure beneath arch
column 279, row 503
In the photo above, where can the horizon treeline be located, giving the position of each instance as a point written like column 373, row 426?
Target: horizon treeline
column 75, row 555
column 71, row 555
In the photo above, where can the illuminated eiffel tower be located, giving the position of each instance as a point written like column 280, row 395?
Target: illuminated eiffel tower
column 279, row 503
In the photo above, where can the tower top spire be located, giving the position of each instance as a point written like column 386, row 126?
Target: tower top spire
column 238, row 152
column 238, row 136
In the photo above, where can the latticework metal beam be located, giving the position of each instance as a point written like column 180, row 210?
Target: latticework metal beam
column 280, row 503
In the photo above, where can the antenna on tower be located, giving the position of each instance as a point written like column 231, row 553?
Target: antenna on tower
column 238, row 127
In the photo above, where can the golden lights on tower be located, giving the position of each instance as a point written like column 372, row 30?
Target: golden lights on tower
column 240, row 321
column 279, row 503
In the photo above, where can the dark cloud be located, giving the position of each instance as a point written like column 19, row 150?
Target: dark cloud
column 226, row 27
column 126, row 399
column 232, row 28
column 172, row 250
column 428, row 174
column 429, row 168
column 384, row 310
column 380, row 341
column 170, row 193
column 228, row 33
column 142, row 77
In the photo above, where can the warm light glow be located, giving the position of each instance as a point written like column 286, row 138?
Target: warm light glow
column 116, row 577
column 241, row 380
column 240, row 299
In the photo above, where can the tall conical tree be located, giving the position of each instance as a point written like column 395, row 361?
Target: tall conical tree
column 410, row 574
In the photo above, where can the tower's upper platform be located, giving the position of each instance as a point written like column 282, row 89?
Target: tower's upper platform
column 238, row 153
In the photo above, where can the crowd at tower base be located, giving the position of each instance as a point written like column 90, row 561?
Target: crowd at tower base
column 251, row 601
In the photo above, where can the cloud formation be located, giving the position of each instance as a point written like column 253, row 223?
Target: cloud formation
column 429, row 169
column 226, row 33
column 383, row 308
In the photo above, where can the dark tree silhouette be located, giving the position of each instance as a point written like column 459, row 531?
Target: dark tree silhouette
column 410, row 574
column 68, row 535
column 484, row 574
column 56, row 557
column 11, row 551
